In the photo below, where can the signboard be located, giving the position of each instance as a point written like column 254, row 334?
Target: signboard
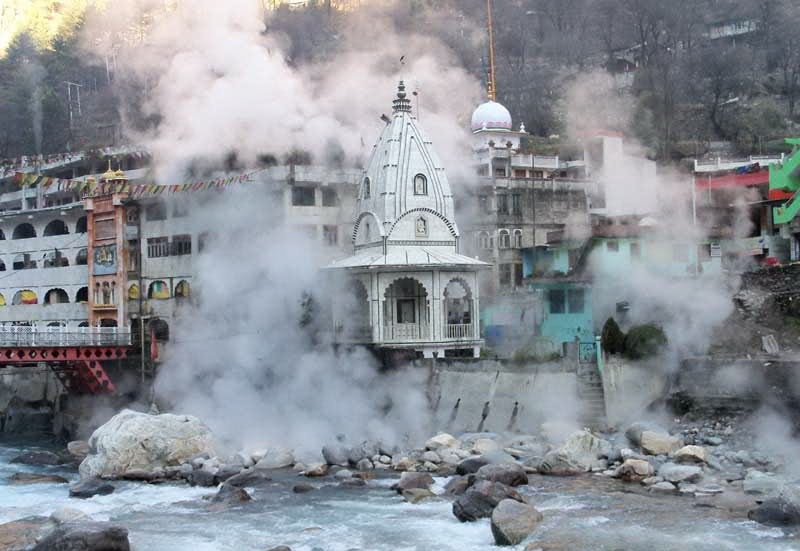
column 105, row 260
column 716, row 250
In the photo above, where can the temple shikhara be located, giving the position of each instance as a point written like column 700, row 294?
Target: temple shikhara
column 408, row 286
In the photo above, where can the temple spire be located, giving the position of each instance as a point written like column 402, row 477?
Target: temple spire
column 491, row 80
column 401, row 103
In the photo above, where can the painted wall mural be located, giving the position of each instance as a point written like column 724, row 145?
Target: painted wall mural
column 105, row 260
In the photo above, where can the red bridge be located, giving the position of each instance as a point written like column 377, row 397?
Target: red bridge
column 75, row 355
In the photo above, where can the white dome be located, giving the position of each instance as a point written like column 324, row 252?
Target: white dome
column 491, row 116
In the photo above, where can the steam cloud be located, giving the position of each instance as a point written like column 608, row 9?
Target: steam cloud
column 217, row 83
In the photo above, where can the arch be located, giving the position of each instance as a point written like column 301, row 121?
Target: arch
column 56, row 324
column 55, row 259
column 406, row 310
column 158, row 290
column 56, row 227
column 517, row 243
column 366, row 188
column 82, row 258
column 83, row 324
column 82, row 295
column 503, row 239
column 2, row 300
column 484, row 240
column 108, row 322
column 182, row 289
column 24, row 296
column 361, row 218
column 23, row 262
column 2, row 266
column 56, row 296
column 80, row 225
column 133, row 292
column 23, row 231
column 2, row 235
column 450, row 226
column 159, row 329
column 457, row 303
column 420, row 185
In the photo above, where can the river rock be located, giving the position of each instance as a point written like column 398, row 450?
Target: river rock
column 485, row 445
column 280, row 548
column 302, row 488
column 481, row 498
column 68, row 514
column 89, row 487
column 335, row 454
column 249, row 478
column 431, row 457
column 690, row 454
column 757, row 482
column 365, row 465
column 659, row 443
column 664, row 487
column 85, row 536
column 442, row 440
column 471, row 465
column 137, row 441
column 417, row 495
column 513, row 521
column 582, row 452
column 231, row 495
column 412, row 480
column 510, row 474
column 316, row 470
column 343, row 474
column 776, row 511
column 36, row 478
column 203, row 478
column 226, row 471
column 78, row 449
column 634, row 432
column 634, row 470
column 276, row 458
column 402, row 463
column 680, row 473
column 38, row 458
column 449, row 456
column 24, row 533
column 457, row 485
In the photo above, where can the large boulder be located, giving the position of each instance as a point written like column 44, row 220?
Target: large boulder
column 471, row 465
column 78, row 449
column 680, row 473
column 412, row 480
column 659, row 443
column 276, row 458
column 757, row 482
column 38, row 458
column 510, row 474
column 249, row 478
column 134, row 441
column 85, row 536
column 634, row 470
column 513, row 521
column 36, row 478
column 690, row 454
column 634, row 432
column 24, row 533
column 89, row 487
column 481, row 498
column 335, row 454
column 582, row 452
column 442, row 440
column 776, row 511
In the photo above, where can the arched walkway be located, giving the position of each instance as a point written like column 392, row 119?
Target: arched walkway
column 56, row 296
column 56, row 227
column 406, row 311
column 23, row 231
column 80, row 226
column 458, row 310
column 158, row 290
column 182, row 289
column 159, row 329
column 82, row 258
column 23, row 262
column 82, row 295
column 25, row 296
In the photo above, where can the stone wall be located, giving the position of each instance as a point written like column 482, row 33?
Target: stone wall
column 630, row 388
column 28, row 396
column 498, row 396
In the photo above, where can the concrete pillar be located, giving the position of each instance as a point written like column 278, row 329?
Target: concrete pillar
column 436, row 307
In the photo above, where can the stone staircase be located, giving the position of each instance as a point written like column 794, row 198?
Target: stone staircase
column 590, row 391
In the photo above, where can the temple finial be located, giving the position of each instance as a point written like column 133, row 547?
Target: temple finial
column 401, row 103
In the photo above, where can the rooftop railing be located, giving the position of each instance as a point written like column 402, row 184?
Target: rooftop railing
column 27, row 336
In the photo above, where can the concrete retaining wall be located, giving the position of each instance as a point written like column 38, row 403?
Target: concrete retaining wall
column 630, row 388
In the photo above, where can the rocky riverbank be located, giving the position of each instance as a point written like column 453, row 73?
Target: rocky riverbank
column 487, row 476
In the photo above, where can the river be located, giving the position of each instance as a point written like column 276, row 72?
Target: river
column 584, row 513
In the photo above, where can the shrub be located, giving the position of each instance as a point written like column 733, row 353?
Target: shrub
column 613, row 337
column 644, row 341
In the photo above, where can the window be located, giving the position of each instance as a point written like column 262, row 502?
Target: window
column 182, row 245
column 502, row 203
column 520, row 173
column 156, row 212
column 612, row 246
column 500, row 172
column 330, row 235
column 406, row 310
column 575, row 301
column 56, row 227
column 680, row 253
column 202, row 241
column 517, row 239
column 104, row 229
column 134, row 256
column 132, row 216
column 517, row 275
column 636, row 252
column 303, row 196
column 484, row 241
column 505, row 275
column 329, row 197
column 420, row 185
column 182, row 290
column 538, row 174
column 704, row 252
column 504, row 239
column 157, row 247
column 483, row 203
column 23, row 262
column 82, row 259
column 516, row 203
column 557, row 299
column 367, row 189
column 23, row 231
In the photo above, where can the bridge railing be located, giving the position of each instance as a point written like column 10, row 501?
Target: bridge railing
column 24, row 336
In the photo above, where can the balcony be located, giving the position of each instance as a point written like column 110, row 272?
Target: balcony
column 26, row 336
column 458, row 331
column 406, row 332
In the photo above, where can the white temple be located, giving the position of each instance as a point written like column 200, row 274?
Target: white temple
column 406, row 285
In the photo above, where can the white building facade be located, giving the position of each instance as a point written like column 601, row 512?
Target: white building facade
column 407, row 286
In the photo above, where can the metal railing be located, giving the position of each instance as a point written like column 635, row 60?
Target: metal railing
column 405, row 332
column 458, row 331
column 25, row 336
